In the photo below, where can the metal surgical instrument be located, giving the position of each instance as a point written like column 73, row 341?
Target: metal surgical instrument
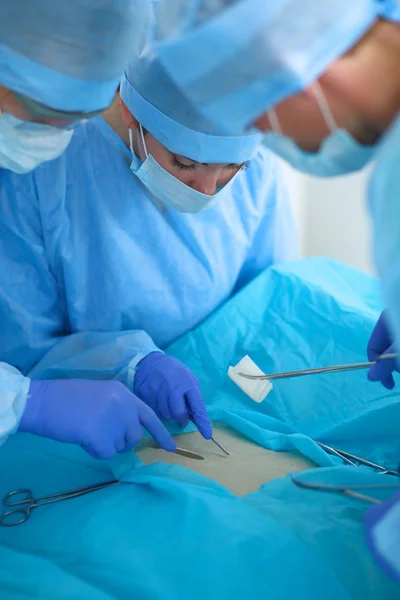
column 337, row 453
column 21, row 502
column 149, row 443
column 220, row 446
column 188, row 454
column 352, row 459
column 349, row 490
column 318, row 371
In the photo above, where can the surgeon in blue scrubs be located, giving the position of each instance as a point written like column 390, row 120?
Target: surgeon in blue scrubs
column 61, row 63
column 139, row 231
column 322, row 80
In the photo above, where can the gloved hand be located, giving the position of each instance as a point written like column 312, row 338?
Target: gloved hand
column 379, row 343
column 172, row 391
column 103, row 417
column 382, row 528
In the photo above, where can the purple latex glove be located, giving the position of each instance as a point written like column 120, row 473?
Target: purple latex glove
column 382, row 528
column 103, row 417
column 380, row 343
column 172, row 391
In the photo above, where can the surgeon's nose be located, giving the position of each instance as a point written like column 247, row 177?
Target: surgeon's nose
column 205, row 183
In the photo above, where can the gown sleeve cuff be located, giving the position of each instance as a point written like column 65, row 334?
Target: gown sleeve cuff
column 14, row 389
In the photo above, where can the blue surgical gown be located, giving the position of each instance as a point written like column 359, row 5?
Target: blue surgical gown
column 95, row 274
column 384, row 204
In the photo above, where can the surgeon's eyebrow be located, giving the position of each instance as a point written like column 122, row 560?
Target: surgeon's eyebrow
column 238, row 166
column 195, row 162
column 181, row 157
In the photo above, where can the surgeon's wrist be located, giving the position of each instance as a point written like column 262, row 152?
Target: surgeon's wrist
column 151, row 359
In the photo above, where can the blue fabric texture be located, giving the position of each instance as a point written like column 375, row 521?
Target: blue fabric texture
column 331, row 524
column 383, row 194
column 69, row 55
column 235, row 60
column 140, row 539
column 88, row 255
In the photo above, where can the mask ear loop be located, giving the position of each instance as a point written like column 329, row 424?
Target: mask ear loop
column 143, row 141
column 131, row 140
column 273, row 119
column 324, row 107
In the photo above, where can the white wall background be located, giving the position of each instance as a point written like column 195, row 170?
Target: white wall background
column 332, row 217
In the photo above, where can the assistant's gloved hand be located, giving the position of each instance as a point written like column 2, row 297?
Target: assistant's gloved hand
column 380, row 343
column 103, row 417
column 382, row 528
column 172, row 390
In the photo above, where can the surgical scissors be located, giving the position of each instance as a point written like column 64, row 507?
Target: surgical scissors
column 24, row 502
column 318, row 371
column 349, row 490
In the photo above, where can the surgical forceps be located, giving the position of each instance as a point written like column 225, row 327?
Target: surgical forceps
column 349, row 490
column 352, row 459
column 318, row 371
column 21, row 502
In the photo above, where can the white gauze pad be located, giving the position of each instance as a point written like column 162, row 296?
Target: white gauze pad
column 257, row 389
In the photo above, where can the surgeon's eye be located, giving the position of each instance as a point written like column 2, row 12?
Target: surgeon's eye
column 181, row 166
column 235, row 167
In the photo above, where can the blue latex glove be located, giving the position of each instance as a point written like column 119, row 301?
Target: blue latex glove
column 382, row 528
column 103, row 417
column 379, row 343
column 172, row 391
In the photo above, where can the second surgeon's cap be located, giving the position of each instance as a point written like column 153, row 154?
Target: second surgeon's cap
column 69, row 54
column 235, row 59
column 156, row 102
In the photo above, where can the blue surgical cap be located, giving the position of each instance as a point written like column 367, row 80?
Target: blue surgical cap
column 235, row 59
column 69, row 54
column 159, row 106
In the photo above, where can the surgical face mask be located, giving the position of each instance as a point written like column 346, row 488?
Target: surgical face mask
column 24, row 145
column 339, row 154
column 167, row 188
